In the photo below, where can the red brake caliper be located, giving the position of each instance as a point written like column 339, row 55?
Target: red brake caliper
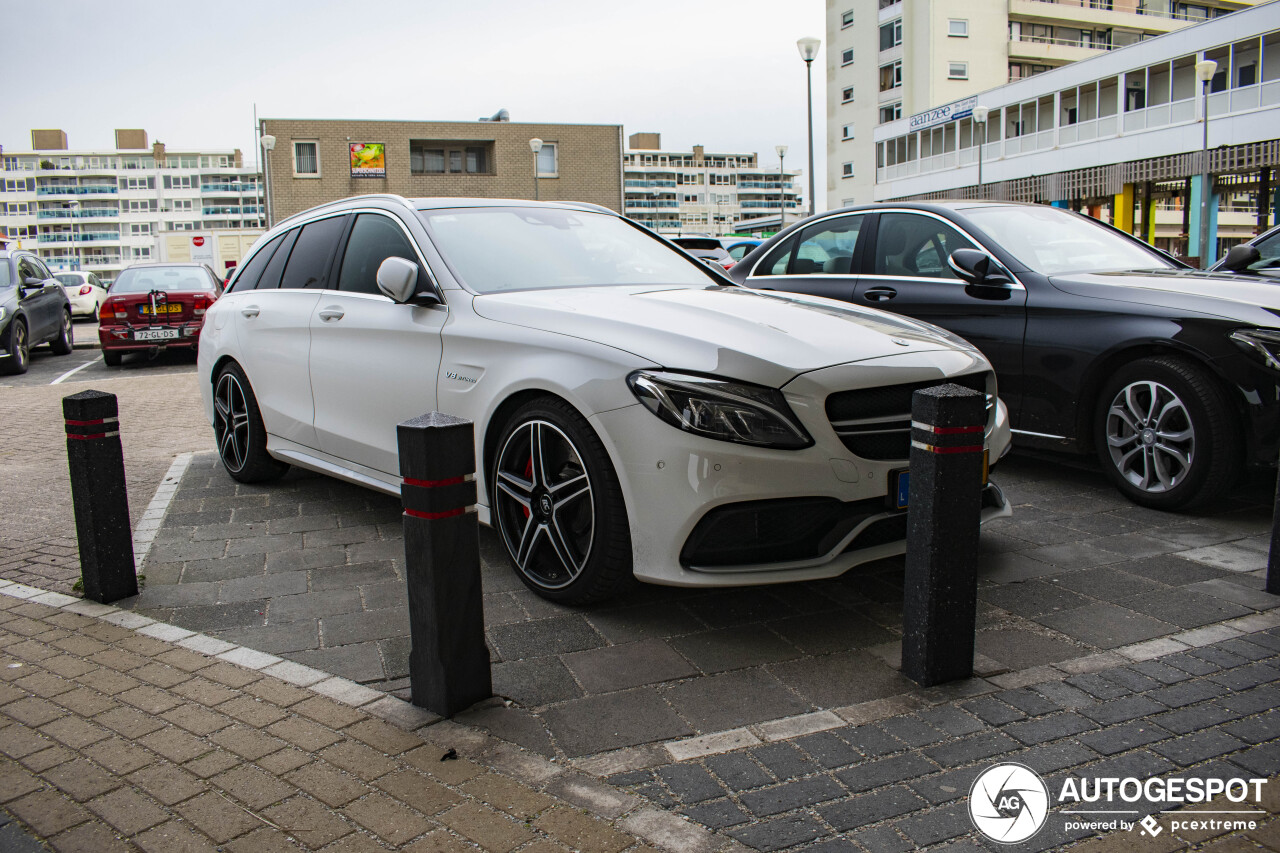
column 528, row 475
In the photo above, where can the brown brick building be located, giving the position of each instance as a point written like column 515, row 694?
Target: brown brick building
column 317, row 160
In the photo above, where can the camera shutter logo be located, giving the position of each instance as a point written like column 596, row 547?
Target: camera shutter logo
column 1009, row 803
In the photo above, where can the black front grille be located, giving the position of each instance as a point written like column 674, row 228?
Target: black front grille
column 875, row 423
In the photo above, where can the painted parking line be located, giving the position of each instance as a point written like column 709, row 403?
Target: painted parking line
column 73, row 371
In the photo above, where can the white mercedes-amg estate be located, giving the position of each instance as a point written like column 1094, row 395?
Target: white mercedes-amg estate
column 636, row 413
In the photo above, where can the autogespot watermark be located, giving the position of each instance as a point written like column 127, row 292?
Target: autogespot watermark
column 1010, row 803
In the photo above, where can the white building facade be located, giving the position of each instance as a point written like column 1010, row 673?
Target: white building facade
column 890, row 59
column 102, row 210
column 695, row 191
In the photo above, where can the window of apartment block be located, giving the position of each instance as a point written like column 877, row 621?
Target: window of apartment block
column 890, row 76
column 437, row 157
column 957, row 28
column 846, row 170
column 846, row 132
column 846, row 58
column 890, row 112
column 846, row 20
column 891, row 34
column 548, row 162
column 137, row 183
column 140, row 229
column 182, row 204
column 847, row 95
column 885, row 4
column 306, row 159
column 958, row 71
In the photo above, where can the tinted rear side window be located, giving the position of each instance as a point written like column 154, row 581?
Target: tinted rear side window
column 311, row 253
column 275, row 267
column 252, row 272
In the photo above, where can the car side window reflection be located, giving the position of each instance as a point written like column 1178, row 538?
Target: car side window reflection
column 908, row 244
column 252, row 272
column 777, row 261
column 827, row 247
column 374, row 238
column 311, row 253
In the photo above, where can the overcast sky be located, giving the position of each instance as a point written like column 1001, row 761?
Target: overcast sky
column 725, row 75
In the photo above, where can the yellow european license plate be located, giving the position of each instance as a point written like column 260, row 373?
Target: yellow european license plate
column 169, row 308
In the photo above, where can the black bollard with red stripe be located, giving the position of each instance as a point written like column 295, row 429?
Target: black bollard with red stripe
column 944, row 505
column 449, row 661
column 101, row 502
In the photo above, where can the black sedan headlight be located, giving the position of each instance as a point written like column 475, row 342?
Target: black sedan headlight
column 720, row 409
column 1264, row 343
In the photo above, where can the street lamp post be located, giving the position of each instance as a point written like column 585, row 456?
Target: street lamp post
column 980, row 122
column 535, row 145
column 268, row 143
column 782, row 187
column 808, row 47
column 74, row 207
column 1205, row 69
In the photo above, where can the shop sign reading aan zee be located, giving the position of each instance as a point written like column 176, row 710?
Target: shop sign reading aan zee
column 942, row 115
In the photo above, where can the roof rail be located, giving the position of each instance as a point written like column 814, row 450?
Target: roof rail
column 382, row 196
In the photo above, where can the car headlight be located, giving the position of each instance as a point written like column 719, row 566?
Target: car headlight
column 1263, row 342
column 720, row 409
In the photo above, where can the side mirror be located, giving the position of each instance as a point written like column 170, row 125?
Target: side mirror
column 982, row 274
column 1241, row 257
column 32, row 281
column 398, row 278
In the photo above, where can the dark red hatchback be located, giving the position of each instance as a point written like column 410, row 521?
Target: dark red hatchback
column 155, row 306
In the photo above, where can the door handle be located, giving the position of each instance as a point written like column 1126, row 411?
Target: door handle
column 331, row 313
column 250, row 311
column 880, row 294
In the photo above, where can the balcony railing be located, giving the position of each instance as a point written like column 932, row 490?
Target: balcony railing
column 766, row 204
column 668, row 204
column 765, row 185
column 1080, row 42
column 1143, row 9
column 77, row 214
column 231, row 211
column 228, row 188
column 667, row 184
column 89, row 189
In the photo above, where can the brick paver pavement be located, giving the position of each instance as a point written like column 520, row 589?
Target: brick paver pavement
column 115, row 740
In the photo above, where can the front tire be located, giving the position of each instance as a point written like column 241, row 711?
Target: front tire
column 558, row 506
column 65, row 341
column 19, row 349
column 1166, row 434
column 238, row 429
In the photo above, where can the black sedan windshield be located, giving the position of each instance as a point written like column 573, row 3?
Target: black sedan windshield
column 168, row 279
column 494, row 249
column 1051, row 241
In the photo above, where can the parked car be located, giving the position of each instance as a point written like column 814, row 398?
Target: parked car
column 737, row 247
column 33, row 310
column 1258, row 257
column 703, row 247
column 84, row 290
column 155, row 306
column 1101, row 343
column 636, row 413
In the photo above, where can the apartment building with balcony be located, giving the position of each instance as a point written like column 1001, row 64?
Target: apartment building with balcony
column 103, row 209
column 888, row 59
column 674, row 192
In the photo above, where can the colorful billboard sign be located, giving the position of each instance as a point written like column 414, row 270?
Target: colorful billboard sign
column 368, row 160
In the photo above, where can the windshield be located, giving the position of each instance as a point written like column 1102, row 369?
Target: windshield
column 69, row 279
column 494, row 249
column 1051, row 241
column 168, row 279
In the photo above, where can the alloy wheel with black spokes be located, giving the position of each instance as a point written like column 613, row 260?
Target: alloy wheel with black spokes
column 19, row 349
column 558, row 507
column 65, row 341
column 238, row 430
column 1165, row 434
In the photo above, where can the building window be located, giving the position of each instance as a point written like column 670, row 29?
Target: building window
column 890, row 76
column 846, row 20
column 846, row 58
column 890, row 112
column 436, row 157
column 891, row 34
column 957, row 28
column 846, row 171
column 306, row 159
column 140, row 230
column 548, row 162
column 846, row 132
column 847, row 95
column 958, row 71
column 182, row 204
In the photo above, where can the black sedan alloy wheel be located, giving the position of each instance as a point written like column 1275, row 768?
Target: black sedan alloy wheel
column 558, row 506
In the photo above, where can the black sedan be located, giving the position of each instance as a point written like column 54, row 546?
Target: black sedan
column 1100, row 342
column 34, row 309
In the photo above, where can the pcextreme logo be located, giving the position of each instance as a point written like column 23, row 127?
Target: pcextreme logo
column 1010, row 803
